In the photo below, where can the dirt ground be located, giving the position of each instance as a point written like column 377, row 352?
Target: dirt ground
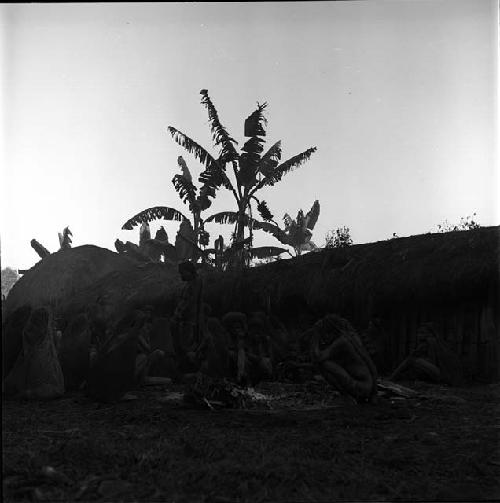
column 302, row 443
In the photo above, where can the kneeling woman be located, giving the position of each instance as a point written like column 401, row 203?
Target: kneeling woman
column 339, row 354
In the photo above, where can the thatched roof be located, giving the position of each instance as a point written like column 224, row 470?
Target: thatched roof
column 61, row 275
column 138, row 285
column 71, row 280
column 76, row 277
column 444, row 267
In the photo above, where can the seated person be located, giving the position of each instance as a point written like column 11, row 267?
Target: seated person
column 245, row 362
column 374, row 339
column 146, row 357
column 122, row 361
column 337, row 351
column 12, row 337
column 37, row 372
column 186, row 323
column 431, row 360
column 261, row 344
column 160, row 337
column 214, row 352
column 74, row 352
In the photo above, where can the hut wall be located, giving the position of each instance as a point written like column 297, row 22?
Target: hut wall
column 471, row 328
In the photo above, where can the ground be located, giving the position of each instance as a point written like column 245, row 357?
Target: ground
column 304, row 443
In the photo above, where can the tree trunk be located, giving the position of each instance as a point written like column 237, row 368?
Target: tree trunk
column 196, row 224
column 237, row 260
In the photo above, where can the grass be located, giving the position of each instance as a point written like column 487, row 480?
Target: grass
column 312, row 445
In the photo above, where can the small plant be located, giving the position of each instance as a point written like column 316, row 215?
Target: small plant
column 467, row 223
column 339, row 238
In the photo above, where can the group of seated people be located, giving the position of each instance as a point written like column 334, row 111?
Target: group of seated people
column 244, row 348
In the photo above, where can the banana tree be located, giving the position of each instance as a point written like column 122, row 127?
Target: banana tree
column 251, row 169
column 297, row 232
column 197, row 201
column 249, row 252
column 224, row 255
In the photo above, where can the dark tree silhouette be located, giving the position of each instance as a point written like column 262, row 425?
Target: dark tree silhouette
column 251, row 169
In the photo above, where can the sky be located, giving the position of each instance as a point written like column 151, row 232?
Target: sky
column 400, row 98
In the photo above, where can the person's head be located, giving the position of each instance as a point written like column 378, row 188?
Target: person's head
column 235, row 323
column 424, row 333
column 331, row 327
column 187, row 270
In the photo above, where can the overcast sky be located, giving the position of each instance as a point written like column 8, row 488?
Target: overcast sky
column 399, row 97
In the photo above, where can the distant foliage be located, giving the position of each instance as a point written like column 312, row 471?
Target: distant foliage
column 339, row 238
column 467, row 223
column 9, row 277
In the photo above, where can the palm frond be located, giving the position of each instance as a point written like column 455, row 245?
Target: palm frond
column 214, row 176
column 284, row 168
column 155, row 213
column 270, row 159
column 40, row 249
column 312, row 215
column 249, row 167
column 267, row 251
column 231, row 217
column 192, row 147
column 223, row 217
column 254, row 123
column 273, row 229
column 253, row 148
column 220, row 135
column 264, row 211
column 185, row 189
column 185, row 170
column 207, row 193
column 300, row 219
column 250, row 161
